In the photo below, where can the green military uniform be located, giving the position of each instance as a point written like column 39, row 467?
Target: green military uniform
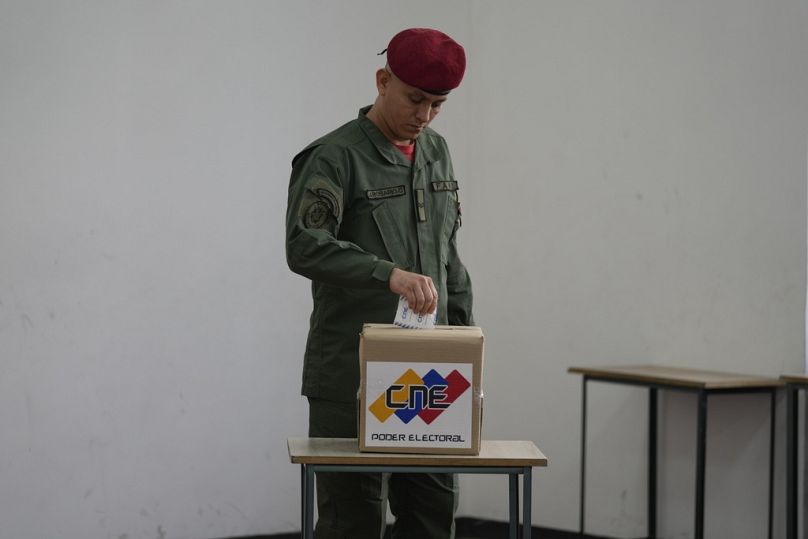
column 357, row 209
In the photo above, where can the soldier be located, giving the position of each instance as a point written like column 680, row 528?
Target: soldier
column 372, row 215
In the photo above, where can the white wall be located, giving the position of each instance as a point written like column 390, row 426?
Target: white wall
column 640, row 164
column 633, row 187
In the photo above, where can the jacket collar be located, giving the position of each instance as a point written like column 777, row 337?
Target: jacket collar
column 423, row 151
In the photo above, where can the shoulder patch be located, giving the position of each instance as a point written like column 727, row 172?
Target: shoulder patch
column 316, row 215
column 387, row 192
column 330, row 199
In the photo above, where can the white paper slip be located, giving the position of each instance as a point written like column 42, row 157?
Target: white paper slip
column 406, row 318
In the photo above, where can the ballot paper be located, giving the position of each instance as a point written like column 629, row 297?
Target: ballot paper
column 406, row 318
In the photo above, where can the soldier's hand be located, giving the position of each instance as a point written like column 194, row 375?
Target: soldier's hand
column 418, row 290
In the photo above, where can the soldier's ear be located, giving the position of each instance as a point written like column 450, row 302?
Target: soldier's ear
column 383, row 77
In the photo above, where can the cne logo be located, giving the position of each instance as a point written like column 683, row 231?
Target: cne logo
column 412, row 395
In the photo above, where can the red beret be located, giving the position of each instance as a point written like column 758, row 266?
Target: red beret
column 427, row 59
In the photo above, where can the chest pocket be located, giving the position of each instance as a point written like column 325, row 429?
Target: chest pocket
column 389, row 229
column 448, row 190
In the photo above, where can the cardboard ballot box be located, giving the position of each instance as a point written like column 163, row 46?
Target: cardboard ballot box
column 420, row 389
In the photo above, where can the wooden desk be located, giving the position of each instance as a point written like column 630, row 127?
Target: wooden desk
column 794, row 382
column 342, row 455
column 703, row 383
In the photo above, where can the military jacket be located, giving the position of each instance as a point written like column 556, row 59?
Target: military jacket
column 358, row 208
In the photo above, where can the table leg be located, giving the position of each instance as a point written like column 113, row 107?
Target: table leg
column 772, row 421
column 583, row 455
column 701, row 453
column 791, row 462
column 513, row 505
column 652, row 461
column 309, row 516
column 527, row 502
column 303, row 500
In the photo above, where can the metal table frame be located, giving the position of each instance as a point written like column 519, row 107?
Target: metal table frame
column 307, row 472
column 792, row 449
column 701, row 445
column 342, row 455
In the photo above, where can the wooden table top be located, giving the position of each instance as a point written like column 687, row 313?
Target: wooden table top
column 795, row 378
column 493, row 453
column 678, row 376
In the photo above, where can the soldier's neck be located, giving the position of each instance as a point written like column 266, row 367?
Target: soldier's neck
column 378, row 120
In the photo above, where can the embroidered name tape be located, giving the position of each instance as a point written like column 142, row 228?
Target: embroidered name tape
column 387, row 192
column 444, row 186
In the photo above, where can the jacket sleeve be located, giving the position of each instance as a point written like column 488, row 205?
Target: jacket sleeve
column 458, row 286
column 314, row 212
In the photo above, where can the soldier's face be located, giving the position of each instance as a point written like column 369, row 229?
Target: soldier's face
column 406, row 110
